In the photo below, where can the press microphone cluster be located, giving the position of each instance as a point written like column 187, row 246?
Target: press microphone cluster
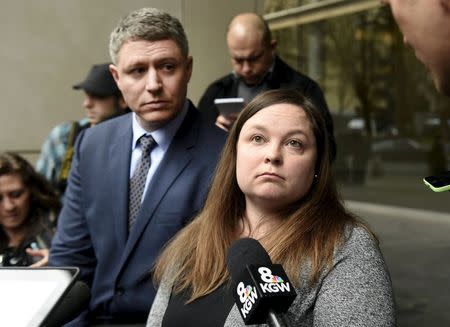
column 72, row 304
column 261, row 289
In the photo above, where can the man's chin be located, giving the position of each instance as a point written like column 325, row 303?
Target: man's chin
column 151, row 121
column 251, row 81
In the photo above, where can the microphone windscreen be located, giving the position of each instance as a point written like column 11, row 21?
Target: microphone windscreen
column 246, row 251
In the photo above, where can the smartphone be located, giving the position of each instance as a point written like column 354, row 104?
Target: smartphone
column 228, row 106
column 438, row 183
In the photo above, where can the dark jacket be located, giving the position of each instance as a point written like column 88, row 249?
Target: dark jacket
column 93, row 228
column 282, row 77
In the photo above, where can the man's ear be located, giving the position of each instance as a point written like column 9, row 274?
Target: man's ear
column 189, row 65
column 114, row 73
column 273, row 46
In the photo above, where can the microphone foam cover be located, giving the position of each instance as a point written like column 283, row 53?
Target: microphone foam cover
column 244, row 252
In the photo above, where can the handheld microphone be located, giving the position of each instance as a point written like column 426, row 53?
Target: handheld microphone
column 261, row 289
column 71, row 305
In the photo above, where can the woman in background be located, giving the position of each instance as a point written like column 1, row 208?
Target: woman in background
column 274, row 183
column 28, row 207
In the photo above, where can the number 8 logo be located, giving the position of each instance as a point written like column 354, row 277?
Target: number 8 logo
column 241, row 292
column 266, row 274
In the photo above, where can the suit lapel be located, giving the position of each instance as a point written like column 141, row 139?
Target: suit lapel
column 118, row 177
column 174, row 162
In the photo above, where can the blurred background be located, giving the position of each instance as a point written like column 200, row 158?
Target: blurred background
column 392, row 127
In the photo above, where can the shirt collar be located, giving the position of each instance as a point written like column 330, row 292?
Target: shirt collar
column 164, row 135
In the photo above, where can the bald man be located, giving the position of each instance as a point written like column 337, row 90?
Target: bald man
column 256, row 68
column 425, row 25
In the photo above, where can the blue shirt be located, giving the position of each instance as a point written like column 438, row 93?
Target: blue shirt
column 163, row 138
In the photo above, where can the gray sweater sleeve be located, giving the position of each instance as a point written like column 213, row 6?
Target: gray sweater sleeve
column 161, row 301
column 357, row 291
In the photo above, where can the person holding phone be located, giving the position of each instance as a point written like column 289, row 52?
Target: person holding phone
column 256, row 68
column 27, row 204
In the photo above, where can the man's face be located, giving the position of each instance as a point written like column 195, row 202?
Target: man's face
column 99, row 109
column 250, row 57
column 425, row 25
column 153, row 77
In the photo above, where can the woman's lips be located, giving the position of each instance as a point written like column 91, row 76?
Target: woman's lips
column 270, row 175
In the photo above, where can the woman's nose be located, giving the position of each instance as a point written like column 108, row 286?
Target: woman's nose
column 273, row 155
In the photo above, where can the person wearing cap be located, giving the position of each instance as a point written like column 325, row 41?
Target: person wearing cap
column 103, row 100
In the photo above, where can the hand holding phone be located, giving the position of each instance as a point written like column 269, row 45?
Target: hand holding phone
column 227, row 106
column 438, row 183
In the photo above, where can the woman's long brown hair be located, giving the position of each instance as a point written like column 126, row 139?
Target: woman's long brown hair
column 311, row 230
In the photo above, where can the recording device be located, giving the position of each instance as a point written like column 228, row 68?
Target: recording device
column 30, row 297
column 261, row 289
column 71, row 305
column 438, row 183
column 227, row 106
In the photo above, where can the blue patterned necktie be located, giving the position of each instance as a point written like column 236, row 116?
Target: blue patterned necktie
column 137, row 181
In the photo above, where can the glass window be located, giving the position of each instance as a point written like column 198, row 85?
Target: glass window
column 391, row 125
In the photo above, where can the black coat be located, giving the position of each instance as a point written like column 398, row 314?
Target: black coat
column 282, row 77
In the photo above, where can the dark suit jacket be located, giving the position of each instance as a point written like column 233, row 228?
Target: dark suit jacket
column 282, row 77
column 92, row 228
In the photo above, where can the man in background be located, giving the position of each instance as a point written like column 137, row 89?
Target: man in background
column 256, row 68
column 425, row 25
column 102, row 100
column 138, row 179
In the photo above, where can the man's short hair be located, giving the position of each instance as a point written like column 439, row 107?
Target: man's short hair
column 149, row 24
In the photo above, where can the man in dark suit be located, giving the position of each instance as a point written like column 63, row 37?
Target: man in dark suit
column 106, row 227
column 256, row 68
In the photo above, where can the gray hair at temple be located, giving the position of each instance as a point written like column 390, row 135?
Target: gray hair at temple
column 149, row 24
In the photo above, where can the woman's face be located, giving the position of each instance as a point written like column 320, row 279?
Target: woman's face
column 276, row 156
column 14, row 202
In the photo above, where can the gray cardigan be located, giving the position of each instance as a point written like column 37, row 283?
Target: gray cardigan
column 356, row 291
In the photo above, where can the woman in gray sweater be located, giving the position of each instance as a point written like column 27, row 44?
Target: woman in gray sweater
column 274, row 183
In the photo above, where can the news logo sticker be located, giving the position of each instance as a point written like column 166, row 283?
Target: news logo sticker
column 248, row 296
column 272, row 283
column 259, row 288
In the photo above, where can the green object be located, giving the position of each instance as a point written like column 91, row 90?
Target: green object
column 438, row 183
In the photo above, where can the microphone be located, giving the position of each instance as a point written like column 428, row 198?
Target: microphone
column 71, row 305
column 261, row 289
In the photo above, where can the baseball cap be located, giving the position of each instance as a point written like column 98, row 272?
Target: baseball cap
column 99, row 81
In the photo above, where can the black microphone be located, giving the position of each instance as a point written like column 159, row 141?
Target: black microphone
column 261, row 289
column 72, row 304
